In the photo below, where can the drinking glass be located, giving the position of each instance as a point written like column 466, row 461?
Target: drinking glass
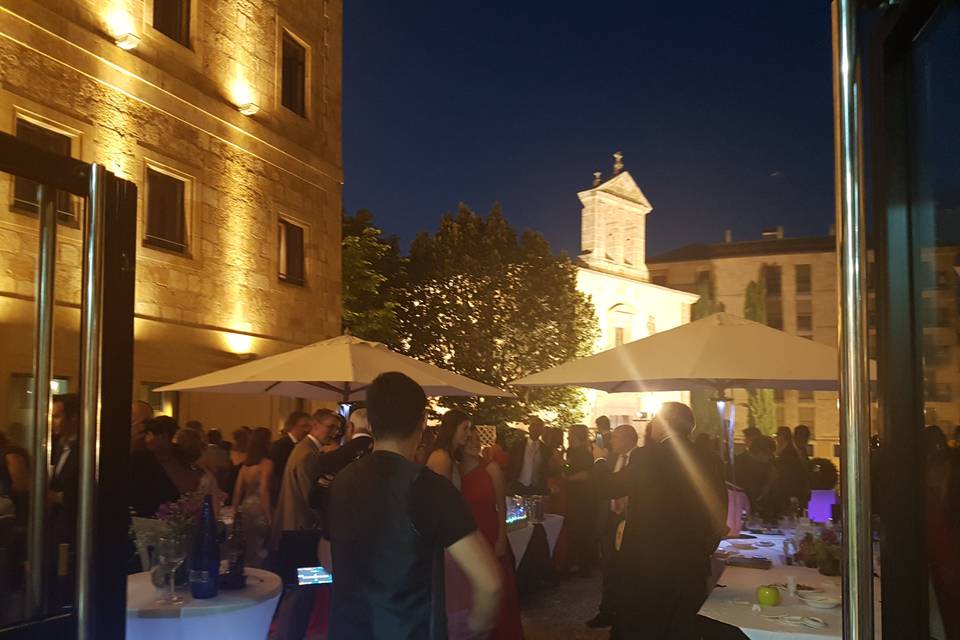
column 171, row 551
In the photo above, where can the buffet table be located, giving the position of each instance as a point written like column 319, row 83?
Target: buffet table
column 237, row 615
column 732, row 600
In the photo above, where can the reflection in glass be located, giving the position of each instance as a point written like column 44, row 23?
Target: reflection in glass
column 936, row 209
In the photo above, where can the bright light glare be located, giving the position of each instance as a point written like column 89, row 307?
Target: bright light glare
column 651, row 404
column 120, row 23
column 238, row 343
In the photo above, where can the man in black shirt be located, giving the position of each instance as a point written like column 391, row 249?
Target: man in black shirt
column 389, row 522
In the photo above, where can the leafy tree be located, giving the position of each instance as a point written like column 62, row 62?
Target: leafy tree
column 702, row 401
column 493, row 306
column 373, row 277
column 761, row 412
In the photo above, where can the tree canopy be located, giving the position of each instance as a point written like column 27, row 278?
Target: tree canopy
column 761, row 411
column 477, row 298
column 373, row 277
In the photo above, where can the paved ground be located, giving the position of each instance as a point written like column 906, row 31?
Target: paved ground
column 559, row 613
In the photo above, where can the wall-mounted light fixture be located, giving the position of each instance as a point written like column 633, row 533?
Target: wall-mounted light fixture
column 248, row 108
column 127, row 41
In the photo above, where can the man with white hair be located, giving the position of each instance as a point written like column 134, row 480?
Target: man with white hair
column 358, row 443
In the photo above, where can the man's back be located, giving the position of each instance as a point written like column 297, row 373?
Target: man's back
column 389, row 522
column 674, row 508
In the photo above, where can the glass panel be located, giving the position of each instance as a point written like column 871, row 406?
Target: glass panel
column 936, row 208
column 53, row 531
column 294, row 75
column 172, row 18
column 165, row 211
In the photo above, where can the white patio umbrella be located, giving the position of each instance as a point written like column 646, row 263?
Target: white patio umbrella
column 719, row 352
column 336, row 369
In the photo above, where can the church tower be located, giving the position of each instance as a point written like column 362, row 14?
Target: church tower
column 613, row 228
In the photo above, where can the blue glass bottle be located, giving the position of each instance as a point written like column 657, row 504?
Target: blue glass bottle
column 205, row 557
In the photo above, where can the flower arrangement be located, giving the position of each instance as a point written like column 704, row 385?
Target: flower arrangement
column 821, row 551
column 177, row 518
column 180, row 517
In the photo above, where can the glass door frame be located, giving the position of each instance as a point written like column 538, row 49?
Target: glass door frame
column 899, row 484
column 106, row 366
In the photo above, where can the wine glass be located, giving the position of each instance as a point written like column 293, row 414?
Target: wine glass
column 171, row 550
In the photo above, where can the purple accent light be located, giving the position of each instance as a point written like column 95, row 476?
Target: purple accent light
column 821, row 501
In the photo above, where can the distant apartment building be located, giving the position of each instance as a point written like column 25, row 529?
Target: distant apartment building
column 801, row 282
column 800, row 276
column 227, row 117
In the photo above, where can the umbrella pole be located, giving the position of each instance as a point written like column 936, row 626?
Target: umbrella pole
column 728, row 425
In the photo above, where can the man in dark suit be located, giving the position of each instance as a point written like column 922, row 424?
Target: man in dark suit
column 62, row 488
column 621, row 443
column 295, row 428
column 676, row 516
column 529, row 460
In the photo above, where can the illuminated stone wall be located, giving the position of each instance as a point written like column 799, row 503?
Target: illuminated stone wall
column 175, row 108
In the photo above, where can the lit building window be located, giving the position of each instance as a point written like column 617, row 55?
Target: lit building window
column 803, row 279
column 619, row 336
column 294, row 76
column 805, row 396
column 166, row 216
column 172, row 19
column 25, row 191
column 291, row 253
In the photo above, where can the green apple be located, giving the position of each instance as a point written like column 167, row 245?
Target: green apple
column 768, row 595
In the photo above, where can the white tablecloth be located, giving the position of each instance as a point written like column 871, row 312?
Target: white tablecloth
column 520, row 538
column 238, row 615
column 733, row 602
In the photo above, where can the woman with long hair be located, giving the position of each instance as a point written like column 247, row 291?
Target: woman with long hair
column 448, row 447
column 457, row 450
column 251, row 496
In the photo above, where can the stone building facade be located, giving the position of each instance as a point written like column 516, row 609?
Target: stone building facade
column 612, row 270
column 800, row 275
column 227, row 116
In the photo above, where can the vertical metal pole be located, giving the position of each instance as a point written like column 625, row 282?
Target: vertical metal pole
column 854, row 390
column 90, row 339
column 42, row 375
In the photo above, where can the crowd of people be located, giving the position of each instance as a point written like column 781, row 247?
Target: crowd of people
column 413, row 519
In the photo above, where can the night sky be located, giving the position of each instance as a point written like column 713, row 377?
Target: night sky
column 722, row 111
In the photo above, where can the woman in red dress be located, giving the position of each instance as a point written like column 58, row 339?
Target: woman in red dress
column 457, row 456
column 482, row 485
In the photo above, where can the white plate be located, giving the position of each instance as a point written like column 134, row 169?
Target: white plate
column 814, row 623
column 823, row 603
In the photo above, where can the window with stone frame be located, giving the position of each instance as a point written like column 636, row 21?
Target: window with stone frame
column 291, row 258
column 25, row 192
column 172, row 19
column 619, row 336
column 166, row 216
column 293, row 75
column 802, row 279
